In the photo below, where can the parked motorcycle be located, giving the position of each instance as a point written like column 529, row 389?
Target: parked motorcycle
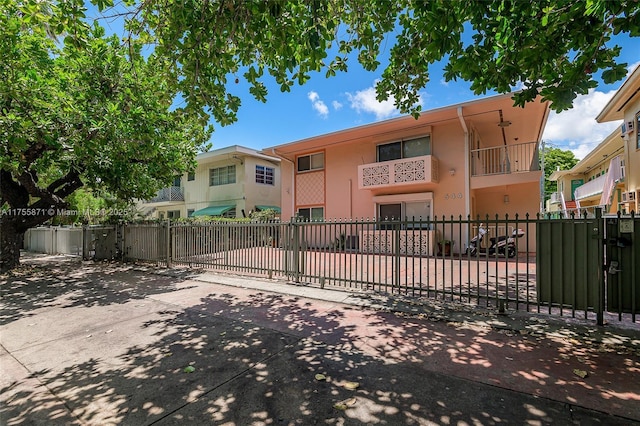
column 474, row 245
column 504, row 245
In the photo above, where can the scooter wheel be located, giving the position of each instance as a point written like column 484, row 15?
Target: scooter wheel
column 511, row 252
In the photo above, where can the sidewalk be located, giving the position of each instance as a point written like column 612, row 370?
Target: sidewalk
column 102, row 343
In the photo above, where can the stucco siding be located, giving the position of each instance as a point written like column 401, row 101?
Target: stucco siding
column 633, row 153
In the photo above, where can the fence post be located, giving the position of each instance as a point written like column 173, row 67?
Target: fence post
column 597, row 233
column 295, row 253
column 396, row 255
column 85, row 246
column 123, row 242
column 168, row 243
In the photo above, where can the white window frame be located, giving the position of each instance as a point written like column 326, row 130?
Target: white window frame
column 403, row 200
column 313, row 165
column 265, row 175
column 402, row 142
column 225, row 175
column 311, row 215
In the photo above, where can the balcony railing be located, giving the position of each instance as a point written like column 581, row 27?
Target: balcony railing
column 172, row 193
column 555, row 198
column 589, row 189
column 505, row 159
column 406, row 171
column 603, row 184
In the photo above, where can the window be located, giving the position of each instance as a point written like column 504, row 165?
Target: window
column 177, row 180
column 311, row 214
column 389, row 212
column 264, row 175
column 222, row 175
column 191, row 176
column 418, row 211
column 190, row 212
column 311, row 162
column 405, row 149
column 173, row 214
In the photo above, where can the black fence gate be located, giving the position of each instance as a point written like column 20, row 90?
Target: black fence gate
column 590, row 264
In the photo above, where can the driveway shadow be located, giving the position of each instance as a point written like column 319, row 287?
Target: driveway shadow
column 245, row 357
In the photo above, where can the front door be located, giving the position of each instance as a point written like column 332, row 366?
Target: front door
column 575, row 183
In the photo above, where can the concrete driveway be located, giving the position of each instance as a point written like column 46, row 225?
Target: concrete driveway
column 105, row 343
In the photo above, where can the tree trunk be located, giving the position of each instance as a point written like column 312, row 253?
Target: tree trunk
column 10, row 243
column 21, row 216
column 12, row 229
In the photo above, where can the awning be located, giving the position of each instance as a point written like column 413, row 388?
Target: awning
column 213, row 211
column 276, row 208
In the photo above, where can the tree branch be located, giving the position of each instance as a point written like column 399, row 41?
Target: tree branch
column 12, row 192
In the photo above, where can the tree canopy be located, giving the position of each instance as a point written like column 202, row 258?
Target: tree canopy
column 556, row 159
column 550, row 48
column 79, row 108
column 100, row 115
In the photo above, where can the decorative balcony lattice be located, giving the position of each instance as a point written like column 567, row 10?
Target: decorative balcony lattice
column 399, row 172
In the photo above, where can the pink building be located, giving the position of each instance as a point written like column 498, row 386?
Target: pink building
column 474, row 158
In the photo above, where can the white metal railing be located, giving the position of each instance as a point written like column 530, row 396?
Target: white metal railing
column 406, row 171
column 589, row 189
column 555, row 198
column 505, row 159
column 604, row 184
column 564, row 202
column 172, row 193
column 614, row 175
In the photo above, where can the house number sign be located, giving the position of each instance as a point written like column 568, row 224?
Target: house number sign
column 453, row 196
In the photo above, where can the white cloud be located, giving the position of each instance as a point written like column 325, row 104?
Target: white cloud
column 336, row 105
column 577, row 128
column 317, row 104
column 444, row 82
column 365, row 101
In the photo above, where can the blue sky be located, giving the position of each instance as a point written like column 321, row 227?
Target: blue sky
column 325, row 105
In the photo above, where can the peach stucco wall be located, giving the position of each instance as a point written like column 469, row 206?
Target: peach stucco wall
column 342, row 197
column 523, row 199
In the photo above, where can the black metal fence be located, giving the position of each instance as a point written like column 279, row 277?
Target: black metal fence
column 580, row 266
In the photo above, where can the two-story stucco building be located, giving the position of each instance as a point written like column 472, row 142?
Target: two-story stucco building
column 474, row 158
column 229, row 182
column 609, row 176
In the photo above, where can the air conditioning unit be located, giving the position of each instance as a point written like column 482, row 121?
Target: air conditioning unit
column 628, row 197
column 629, row 127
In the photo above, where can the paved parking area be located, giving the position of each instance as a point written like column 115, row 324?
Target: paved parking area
column 104, row 343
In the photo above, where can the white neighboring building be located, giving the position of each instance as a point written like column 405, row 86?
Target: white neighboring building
column 228, row 182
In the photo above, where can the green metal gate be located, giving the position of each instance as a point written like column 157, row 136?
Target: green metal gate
column 569, row 265
column 623, row 265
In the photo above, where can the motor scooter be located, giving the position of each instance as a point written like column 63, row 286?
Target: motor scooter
column 504, row 245
column 474, row 245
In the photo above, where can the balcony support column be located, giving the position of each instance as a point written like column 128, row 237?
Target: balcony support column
column 467, row 165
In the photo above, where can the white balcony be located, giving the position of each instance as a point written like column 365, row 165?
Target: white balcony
column 406, row 171
column 555, row 198
column 170, row 194
column 589, row 189
column 505, row 159
column 602, row 185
